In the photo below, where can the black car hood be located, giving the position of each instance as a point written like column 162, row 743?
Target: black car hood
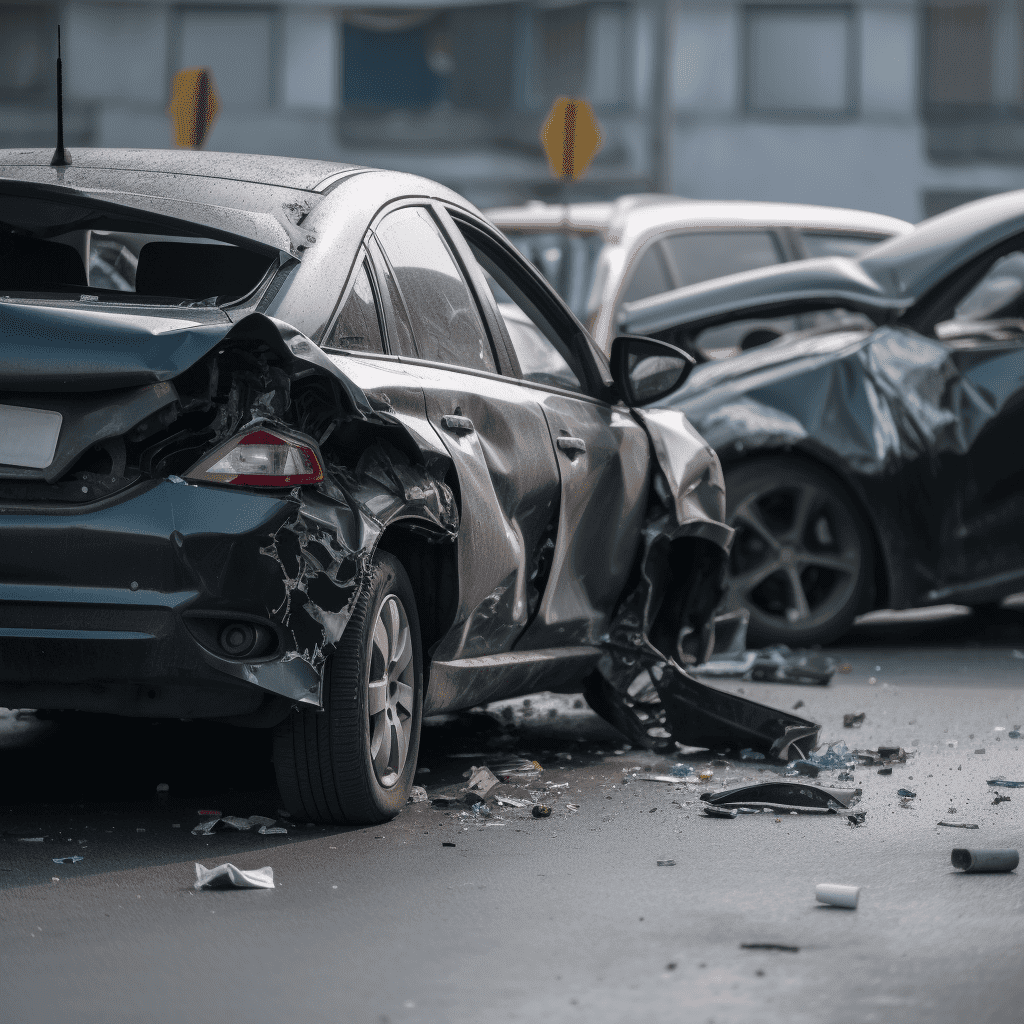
column 57, row 348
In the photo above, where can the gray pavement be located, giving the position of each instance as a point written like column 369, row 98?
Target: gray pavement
column 561, row 919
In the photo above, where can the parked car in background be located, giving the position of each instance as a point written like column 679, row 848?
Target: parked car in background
column 602, row 257
column 874, row 466
column 271, row 454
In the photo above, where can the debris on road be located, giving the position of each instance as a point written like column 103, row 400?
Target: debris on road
column 786, row 796
column 751, row 755
column 905, row 793
column 984, row 861
column 67, row 860
column 980, row 750
column 836, row 755
column 666, row 863
column 1000, row 799
column 31, row 839
column 854, row 720
column 482, row 783
column 651, row 777
column 272, row 830
column 541, row 811
column 837, row 895
column 683, row 770
column 512, row 801
column 956, row 824
column 447, row 844
column 770, row 945
column 227, row 876
column 885, row 771
column 517, row 768
column 216, row 822
column 806, row 768
column 712, row 811
column 1006, row 784
column 417, row 795
column 856, row 819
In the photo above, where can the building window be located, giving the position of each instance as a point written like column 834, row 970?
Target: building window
column 958, row 56
column 28, row 45
column 800, row 60
column 395, row 60
column 416, row 60
column 236, row 47
column 560, row 47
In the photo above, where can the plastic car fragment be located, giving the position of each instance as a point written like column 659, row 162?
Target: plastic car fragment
column 802, row 797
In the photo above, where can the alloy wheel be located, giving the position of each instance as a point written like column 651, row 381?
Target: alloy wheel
column 796, row 558
column 391, row 692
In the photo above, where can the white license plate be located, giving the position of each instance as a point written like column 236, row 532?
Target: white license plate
column 28, row 437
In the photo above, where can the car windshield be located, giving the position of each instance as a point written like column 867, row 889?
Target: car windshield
column 565, row 258
column 71, row 251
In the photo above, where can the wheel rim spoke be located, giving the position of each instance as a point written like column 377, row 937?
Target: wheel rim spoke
column 823, row 560
column 381, row 644
column 744, row 583
column 403, row 730
column 802, row 509
column 382, row 754
column 377, row 696
column 403, row 653
column 393, row 624
column 748, row 515
column 403, row 698
column 801, row 608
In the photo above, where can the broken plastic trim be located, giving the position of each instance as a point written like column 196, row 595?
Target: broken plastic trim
column 786, row 796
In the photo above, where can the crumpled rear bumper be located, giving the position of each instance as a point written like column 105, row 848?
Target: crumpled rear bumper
column 119, row 608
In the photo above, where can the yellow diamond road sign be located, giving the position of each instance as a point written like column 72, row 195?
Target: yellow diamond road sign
column 193, row 107
column 571, row 137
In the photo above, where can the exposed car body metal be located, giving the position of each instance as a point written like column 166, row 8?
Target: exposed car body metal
column 542, row 530
column 920, row 417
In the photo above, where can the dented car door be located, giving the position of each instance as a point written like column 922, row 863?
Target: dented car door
column 496, row 436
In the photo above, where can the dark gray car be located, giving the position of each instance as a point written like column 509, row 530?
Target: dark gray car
column 272, row 453
column 877, row 463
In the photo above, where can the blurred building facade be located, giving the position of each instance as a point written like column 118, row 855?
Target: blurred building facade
column 893, row 106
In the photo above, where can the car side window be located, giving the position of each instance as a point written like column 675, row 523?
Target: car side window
column 358, row 325
column 446, row 323
column 650, row 276
column 703, row 255
column 544, row 356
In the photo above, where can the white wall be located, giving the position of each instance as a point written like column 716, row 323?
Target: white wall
column 311, row 59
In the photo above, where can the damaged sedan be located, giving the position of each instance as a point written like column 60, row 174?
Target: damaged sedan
column 296, row 445
column 874, row 462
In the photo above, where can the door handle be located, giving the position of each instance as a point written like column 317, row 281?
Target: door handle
column 574, row 445
column 457, row 424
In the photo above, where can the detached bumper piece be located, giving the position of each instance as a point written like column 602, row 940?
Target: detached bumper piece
column 785, row 796
column 699, row 715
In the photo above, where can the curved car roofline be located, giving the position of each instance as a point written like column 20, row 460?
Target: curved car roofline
column 283, row 172
column 635, row 215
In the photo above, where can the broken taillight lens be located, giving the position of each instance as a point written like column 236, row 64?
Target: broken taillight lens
column 260, row 458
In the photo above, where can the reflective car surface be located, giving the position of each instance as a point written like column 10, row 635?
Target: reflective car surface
column 877, row 463
column 311, row 447
column 603, row 257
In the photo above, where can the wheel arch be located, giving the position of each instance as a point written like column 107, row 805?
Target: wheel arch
column 430, row 558
column 881, row 582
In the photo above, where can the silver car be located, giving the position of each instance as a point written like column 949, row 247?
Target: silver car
column 603, row 256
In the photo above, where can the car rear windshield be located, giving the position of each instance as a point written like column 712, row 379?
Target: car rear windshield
column 62, row 250
column 566, row 258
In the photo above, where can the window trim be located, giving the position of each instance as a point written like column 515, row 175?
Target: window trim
column 363, row 259
column 596, row 385
column 431, row 206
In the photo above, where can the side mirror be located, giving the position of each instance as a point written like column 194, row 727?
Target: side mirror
column 646, row 369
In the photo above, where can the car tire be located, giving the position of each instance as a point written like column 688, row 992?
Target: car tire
column 353, row 763
column 801, row 560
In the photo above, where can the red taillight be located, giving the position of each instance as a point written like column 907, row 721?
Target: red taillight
column 260, row 458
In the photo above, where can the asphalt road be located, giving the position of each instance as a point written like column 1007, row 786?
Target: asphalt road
column 568, row 918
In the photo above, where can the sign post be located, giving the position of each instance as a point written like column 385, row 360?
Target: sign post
column 571, row 137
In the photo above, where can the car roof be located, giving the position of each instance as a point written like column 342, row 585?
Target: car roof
column 637, row 215
column 282, row 171
column 265, row 199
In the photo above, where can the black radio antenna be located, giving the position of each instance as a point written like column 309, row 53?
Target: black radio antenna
column 60, row 155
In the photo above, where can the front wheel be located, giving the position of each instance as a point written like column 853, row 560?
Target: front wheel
column 801, row 558
column 354, row 762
